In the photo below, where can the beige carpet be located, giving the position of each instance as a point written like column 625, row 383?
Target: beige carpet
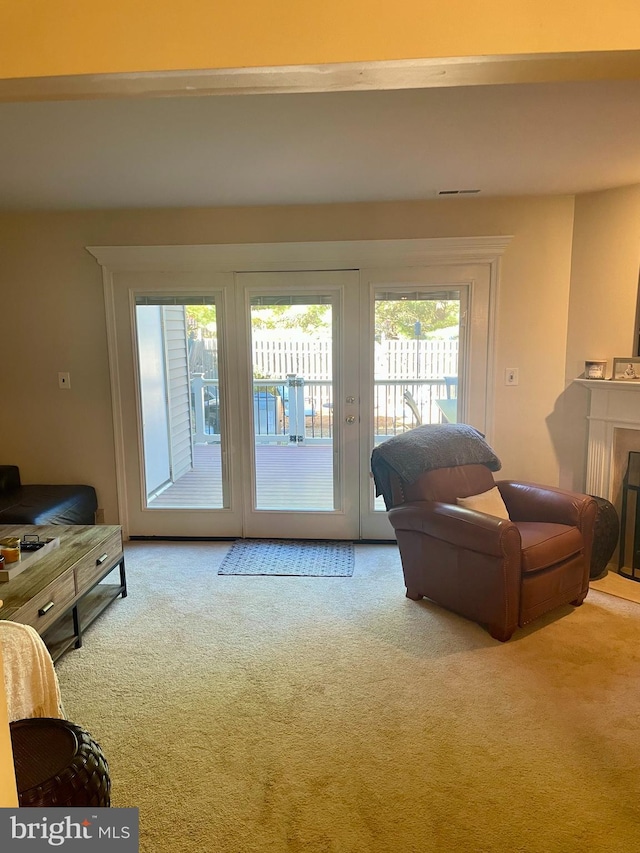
column 333, row 715
column 615, row 584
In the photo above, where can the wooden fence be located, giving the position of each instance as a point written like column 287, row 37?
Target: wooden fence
column 394, row 359
column 413, row 380
column 274, row 359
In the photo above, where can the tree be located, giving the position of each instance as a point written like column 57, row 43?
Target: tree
column 201, row 317
column 397, row 318
column 305, row 318
column 394, row 318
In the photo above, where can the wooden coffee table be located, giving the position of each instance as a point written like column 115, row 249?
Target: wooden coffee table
column 62, row 593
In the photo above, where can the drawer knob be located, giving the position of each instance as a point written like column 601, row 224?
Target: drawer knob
column 101, row 559
column 44, row 610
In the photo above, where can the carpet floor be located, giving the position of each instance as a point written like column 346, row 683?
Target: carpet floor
column 293, row 715
column 615, row 584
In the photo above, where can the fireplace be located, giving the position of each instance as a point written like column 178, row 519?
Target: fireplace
column 614, row 432
column 629, row 554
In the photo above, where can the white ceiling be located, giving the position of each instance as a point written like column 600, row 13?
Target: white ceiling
column 321, row 147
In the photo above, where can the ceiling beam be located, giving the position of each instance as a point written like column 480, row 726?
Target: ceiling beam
column 337, row 77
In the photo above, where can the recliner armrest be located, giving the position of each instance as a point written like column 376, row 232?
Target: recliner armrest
column 459, row 526
column 532, row 502
column 9, row 478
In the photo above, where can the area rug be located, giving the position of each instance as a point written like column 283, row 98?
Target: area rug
column 303, row 558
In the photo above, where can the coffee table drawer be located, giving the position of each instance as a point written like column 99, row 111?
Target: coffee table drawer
column 45, row 607
column 97, row 561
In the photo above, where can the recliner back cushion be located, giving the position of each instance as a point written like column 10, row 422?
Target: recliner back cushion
column 448, row 484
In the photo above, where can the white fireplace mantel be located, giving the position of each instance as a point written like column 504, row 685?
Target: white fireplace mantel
column 613, row 404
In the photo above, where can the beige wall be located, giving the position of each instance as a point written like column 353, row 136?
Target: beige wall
column 53, row 289
column 40, row 38
column 604, row 277
column 604, row 288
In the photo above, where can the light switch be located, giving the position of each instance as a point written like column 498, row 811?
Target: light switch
column 64, row 380
column 511, row 376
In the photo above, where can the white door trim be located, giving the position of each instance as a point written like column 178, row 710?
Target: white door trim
column 234, row 258
column 265, row 257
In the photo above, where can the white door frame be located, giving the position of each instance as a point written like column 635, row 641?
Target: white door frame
column 343, row 522
column 196, row 522
column 205, row 261
column 475, row 365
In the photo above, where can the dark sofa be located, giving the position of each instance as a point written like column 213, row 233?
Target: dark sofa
column 36, row 504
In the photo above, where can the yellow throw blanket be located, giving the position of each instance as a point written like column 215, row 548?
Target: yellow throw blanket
column 30, row 681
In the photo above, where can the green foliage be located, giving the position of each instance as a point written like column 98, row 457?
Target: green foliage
column 394, row 318
column 306, row 318
column 397, row 318
column 202, row 317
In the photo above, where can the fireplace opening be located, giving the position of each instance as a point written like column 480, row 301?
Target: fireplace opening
column 629, row 566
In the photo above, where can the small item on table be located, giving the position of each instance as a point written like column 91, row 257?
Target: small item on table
column 10, row 549
column 31, row 542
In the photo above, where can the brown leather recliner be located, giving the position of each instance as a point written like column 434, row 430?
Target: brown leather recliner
column 499, row 572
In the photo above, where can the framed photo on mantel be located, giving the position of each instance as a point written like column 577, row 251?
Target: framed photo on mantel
column 626, row 369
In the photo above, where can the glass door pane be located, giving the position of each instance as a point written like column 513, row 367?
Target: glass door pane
column 416, row 350
column 416, row 359
column 181, row 403
column 429, row 333
column 292, row 340
column 298, row 335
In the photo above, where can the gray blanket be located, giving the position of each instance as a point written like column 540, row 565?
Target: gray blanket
column 424, row 448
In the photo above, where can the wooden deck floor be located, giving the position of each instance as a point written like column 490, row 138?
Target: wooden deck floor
column 287, row 477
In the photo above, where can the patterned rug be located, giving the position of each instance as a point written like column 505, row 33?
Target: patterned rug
column 289, row 557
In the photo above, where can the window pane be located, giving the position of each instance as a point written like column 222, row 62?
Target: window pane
column 181, row 402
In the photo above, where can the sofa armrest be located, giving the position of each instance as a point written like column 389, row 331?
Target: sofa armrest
column 531, row 502
column 459, row 526
column 9, row 478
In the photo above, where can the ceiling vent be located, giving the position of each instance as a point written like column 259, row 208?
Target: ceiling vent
column 458, row 192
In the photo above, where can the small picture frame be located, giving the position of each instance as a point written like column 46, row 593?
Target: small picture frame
column 626, row 369
column 595, row 369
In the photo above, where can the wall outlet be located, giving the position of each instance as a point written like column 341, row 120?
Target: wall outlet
column 64, row 380
column 511, row 376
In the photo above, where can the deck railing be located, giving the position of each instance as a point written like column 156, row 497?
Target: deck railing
column 299, row 410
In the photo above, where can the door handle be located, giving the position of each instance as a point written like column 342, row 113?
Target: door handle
column 350, row 419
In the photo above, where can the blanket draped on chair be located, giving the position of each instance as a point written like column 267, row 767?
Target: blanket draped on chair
column 30, row 680
column 426, row 447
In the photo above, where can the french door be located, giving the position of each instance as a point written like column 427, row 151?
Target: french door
column 220, row 442
column 301, row 412
column 418, row 351
column 248, row 404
